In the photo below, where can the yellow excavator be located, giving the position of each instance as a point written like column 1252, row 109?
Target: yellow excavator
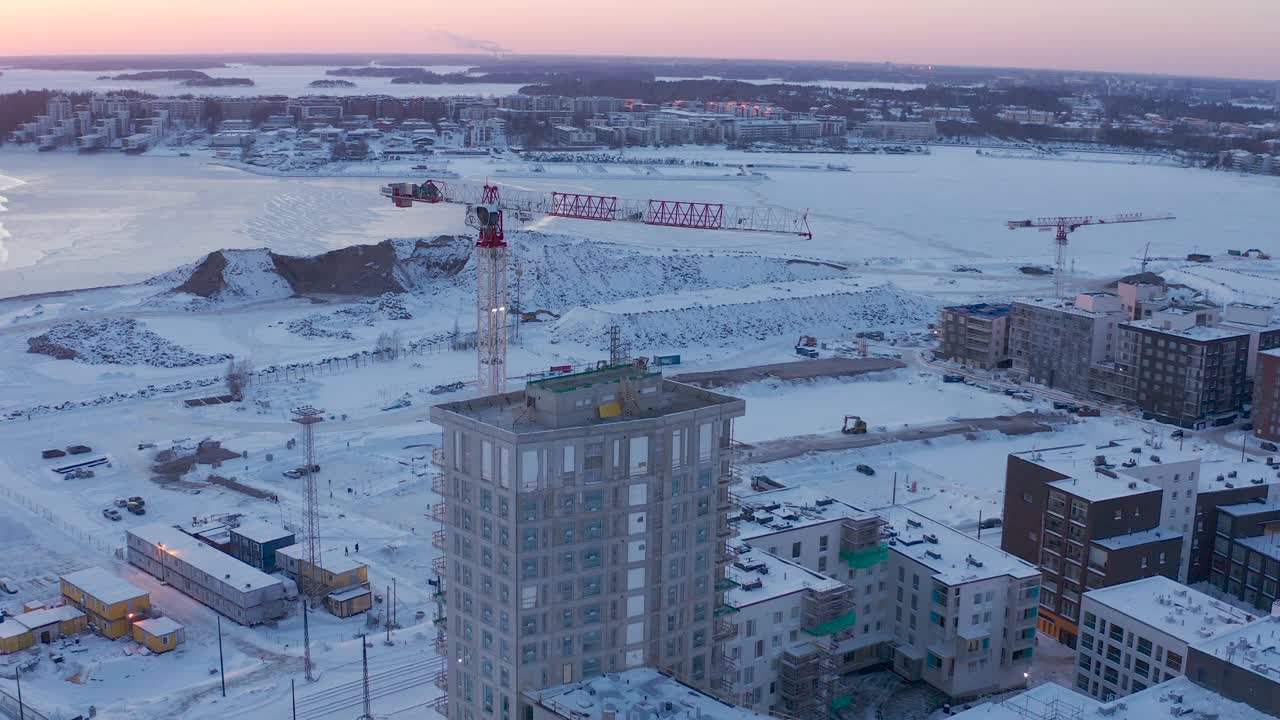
column 854, row 425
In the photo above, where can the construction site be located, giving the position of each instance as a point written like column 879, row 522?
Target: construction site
column 716, row 430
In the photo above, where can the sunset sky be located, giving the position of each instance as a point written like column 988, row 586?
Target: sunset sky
column 1234, row 38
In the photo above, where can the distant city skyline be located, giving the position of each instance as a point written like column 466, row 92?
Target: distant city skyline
column 1184, row 37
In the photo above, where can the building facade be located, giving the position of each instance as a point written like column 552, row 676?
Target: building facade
column 1086, row 527
column 1138, row 634
column 1266, row 396
column 111, row 603
column 975, row 335
column 585, row 524
column 1055, row 343
column 242, row 593
column 1185, row 374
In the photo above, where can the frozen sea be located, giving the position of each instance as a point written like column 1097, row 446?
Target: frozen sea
column 78, row 221
column 289, row 80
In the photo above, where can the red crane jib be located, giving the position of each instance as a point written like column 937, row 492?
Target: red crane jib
column 677, row 213
column 585, row 207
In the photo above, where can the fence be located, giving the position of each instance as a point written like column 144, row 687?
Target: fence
column 9, row 708
column 76, row 533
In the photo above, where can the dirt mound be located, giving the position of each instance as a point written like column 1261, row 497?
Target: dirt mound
column 391, row 266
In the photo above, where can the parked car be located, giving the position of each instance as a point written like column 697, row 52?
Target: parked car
column 9, row 585
column 866, row 469
column 1089, row 412
column 120, row 502
column 952, row 378
column 111, row 514
column 137, row 499
column 135, row 508
column 79, row 449
column 54, row 453
column 1268, row 446
column 991, row 522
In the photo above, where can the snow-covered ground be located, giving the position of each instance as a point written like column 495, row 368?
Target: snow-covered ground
column 888, row 236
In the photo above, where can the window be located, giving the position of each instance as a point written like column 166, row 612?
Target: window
column 1090, row 620
column 795, row 549
column 1174, row 661
column 1144, row 646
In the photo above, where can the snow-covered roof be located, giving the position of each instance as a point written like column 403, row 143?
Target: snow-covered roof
column 1173, row 698
column 47, row 616
column 12, row 629
column 1201, row 333
column 1271, row 504
column 1132, row 540
column 1171, row 608
column 261, row 532
column 331, row 559
column 1273, row 352
column 1265, row 544
column 104, row 586
column 1096, row 487
column 643, row 692
column 1063, row 306
column 1037, row 702
column 777, row 577
column 350, row 593
column 792, row 507
column 206, row 559
column 159, row 626
column 1079, row 460
column 1254, row 647
column 953, row 556
column 1217, row 474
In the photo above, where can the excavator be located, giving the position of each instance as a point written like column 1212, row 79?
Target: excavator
column 857, row 427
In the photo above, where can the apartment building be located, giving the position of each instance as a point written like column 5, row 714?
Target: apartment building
column 585, row 524
column 1185, row 374
column 975, row 336
column 1242, row 665
column 1266, row 396
column 1179, row 697
column 1086, row 527
column 1246, row 551
column 1258, row 321
column 1138, row 634
column 1056, row 342
column 238, row 591
column 926, row 600
column 762, row 617
column 1223, row 484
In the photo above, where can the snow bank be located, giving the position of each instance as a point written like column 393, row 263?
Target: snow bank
column 336, row 324
column 115, row 341
column 1257, row 283
column 756, row 313
column 558, row 272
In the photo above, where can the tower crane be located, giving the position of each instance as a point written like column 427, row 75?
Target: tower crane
column 486, row 207
column 1068, row 224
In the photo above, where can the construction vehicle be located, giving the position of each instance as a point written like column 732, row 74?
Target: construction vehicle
column 807, row 341
column 859, row 426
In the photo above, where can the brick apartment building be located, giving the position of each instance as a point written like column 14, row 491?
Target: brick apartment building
column 1185, row 374
column 1090, row 528
column 975, row 336
column 1266, row 396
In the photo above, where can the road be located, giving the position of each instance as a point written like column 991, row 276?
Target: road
column 1024, row 423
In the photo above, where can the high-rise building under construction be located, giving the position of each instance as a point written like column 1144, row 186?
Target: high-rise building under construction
column 585, row 524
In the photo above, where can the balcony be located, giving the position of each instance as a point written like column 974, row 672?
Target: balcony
column 724, row 630
column 435, row 512
column 439, row 540
column 438, row 485
column 439, row 565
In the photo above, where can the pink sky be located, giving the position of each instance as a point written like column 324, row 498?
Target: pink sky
column 1234, row 38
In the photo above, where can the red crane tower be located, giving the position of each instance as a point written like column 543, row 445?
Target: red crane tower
column 1068, row 224
column 485, row 208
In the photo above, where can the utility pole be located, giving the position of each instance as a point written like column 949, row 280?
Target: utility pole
column 894, row 496
column 364, row 656
column 306, row 641
column 222, row 668
column 17, row 676
column 979, row 524
column 293, row 697
column 388, row 614
column 395, row 600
